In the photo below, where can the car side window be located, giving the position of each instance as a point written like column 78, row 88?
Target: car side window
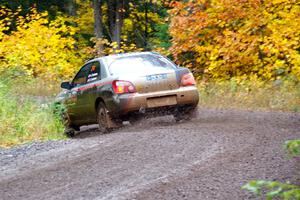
column 81, row 76
column 94, row 72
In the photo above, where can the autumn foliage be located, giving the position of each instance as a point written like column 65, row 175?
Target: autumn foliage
column 245, row 39
column 37, row 47
column 217, row 39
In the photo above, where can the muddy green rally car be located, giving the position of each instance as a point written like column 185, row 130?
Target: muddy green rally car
column 123, row 87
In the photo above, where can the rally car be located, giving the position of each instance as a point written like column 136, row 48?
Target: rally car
column 116, row 88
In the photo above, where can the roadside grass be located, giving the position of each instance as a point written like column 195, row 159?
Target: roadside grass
column 24, row 119
column 250, row 96
column 35, row 87
column 27, row 116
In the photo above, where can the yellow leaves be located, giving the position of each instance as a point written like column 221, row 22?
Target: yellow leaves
column 104, row 47
column 114, row 45
column 40, row 48
column 128, row 23
column 238, row 38
column 214, row 54
column 278, row 1
column 200, row 48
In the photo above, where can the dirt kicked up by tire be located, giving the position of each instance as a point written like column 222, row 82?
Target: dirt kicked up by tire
column 208, row 157
column 105, row 122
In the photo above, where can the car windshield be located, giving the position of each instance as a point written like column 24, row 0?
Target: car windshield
column 137, row 64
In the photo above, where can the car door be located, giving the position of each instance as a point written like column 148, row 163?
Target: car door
column 78, row 96
column 93, row 82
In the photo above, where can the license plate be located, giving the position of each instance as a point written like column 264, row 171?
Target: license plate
column 161, row 101
column 156, row 77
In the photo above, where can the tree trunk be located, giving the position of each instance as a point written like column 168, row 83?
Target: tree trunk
column 115, row 19
column 98, row 19
column 119, row 22
column 71, row 7
column 98, row 26
column 111, row 17
column 146, row 25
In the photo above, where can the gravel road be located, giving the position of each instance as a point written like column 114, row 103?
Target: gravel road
column 209, row 157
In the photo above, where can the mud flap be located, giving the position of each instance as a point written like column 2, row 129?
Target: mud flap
column 112, row 123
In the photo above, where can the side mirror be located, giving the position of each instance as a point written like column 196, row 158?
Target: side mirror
column 65, row 85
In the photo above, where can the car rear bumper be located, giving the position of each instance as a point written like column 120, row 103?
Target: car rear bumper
column 126, row 103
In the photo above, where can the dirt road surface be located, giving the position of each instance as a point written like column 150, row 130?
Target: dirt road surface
column 209, row 157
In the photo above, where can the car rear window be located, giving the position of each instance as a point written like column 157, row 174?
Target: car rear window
column 137, row 63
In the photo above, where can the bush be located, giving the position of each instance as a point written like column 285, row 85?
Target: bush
column 23, row 119
column 275, row 189
column 38, row 47
column 237, row 38
column 292, row 146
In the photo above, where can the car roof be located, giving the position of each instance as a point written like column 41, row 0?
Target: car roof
column 120, row 55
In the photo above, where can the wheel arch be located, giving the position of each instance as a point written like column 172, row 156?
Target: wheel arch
column 97, row 102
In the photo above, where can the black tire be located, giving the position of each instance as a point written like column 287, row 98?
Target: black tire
column 105, row 121
column 69, row 128
column 134, row 118
column 76, row 128
column 184, row 113
column 70, row 132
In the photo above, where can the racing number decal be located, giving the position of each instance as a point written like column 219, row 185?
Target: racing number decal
column 93, row 74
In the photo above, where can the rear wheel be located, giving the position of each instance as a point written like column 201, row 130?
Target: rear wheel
column 135, row 119
column 184, row 113
column 105, row 121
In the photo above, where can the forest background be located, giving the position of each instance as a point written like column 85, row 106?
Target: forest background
column 243, row 53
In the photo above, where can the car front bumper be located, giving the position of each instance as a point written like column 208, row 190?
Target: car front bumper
column 125, row 103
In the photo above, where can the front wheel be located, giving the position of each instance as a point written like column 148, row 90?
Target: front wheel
column 69, row 129
column 70, row 132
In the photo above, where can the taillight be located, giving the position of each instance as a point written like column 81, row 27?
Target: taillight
column 188, row 79
column 121, row 87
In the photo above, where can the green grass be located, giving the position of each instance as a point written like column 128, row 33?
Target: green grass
column 250, row 96
column 23, row 119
